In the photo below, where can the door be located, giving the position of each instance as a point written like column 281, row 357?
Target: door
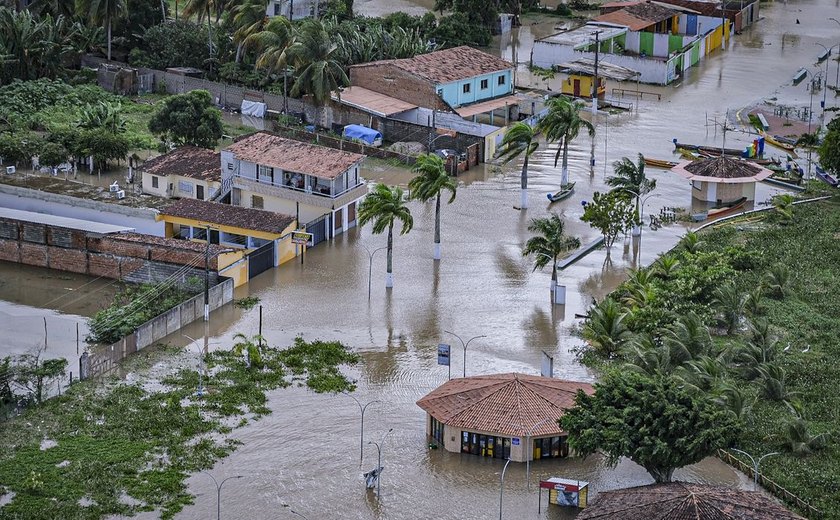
column 261, row 260
column 576, row 87
column 199, row 192
column 351, row 214
column 339, row 217
column 318, row 228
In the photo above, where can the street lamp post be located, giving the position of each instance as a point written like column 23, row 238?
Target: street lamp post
column 200, row 366
column 465, row 345
column 219, row 492
column 638, row 229
column 370, row 263
column 362, row 431
column 828, row 59
column 379, row 461
column 837, row 78
column 530, row 453
column 502, row 487
column 755, row 463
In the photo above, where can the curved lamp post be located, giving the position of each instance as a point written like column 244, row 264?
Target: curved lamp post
column 828, row 58
column 528, row 446
column 465, row 345
column 502, row 487
column 362, row 431
column 219, row 492
column 200, row 365
column 755, row 463
column 379, row 461
column 370, row 263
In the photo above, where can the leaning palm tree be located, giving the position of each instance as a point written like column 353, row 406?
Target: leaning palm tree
column 102, row 12
column 605, row 329
column 315, row 57
column 247, row 18
column 551, row 242
column 250, row 348
column 730, row 303
column 561, row 125
column 630, row 178
column 429, row 184
column 384, row 206
column 776, row 279
column 520, row 139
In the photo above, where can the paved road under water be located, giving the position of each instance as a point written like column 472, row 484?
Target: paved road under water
column 306, row 453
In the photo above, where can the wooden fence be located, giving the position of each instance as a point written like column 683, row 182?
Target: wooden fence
column 775, row 489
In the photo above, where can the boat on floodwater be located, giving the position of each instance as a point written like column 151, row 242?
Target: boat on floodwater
column 564, row 193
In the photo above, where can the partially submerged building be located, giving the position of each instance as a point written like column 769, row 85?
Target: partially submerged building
column 185, row 172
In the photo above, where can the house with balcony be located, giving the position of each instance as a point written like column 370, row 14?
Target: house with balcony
column 292, row 9
column 186, row 172
column 322, row 187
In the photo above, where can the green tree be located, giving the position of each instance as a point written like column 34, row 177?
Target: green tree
column 272, row 44
column 102, row 115
column 52, row 154
column 551, row 242
column 431, row 181
column 103, row 13
column 631, row 179
column 172, row 44
column 562, row 124
column 443, row 5
column 520, row 139
column 103, row 146
column 829, row 150
column 384, row 206
column 730, row 303
column 610, row 213
column 651, row 421
column 478, row 12
column 33, row 47
column 248, row 18
column 783, row 205
column 34, row 375
column 314, row 57
column 249, row 348
column 605, row 329
column 457, row 29
column 188, row 118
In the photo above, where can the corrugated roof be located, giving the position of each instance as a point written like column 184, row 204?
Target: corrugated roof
column 295, row 156
column 684, row 501
column 448, row 65
column 65, row 222
column 248, row 219
column 507, row 404
column 373, row 102
column 189, row 161
column 486, row 106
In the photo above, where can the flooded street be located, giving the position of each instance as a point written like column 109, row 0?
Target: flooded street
column 306, row 454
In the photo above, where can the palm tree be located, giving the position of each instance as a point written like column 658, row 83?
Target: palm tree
column 272, row 43
column 247, row 18
column 776, row 279
column 430, row 182
column 384, row 206
column 688, row 338
column 315, row 57
column 630, row 178
column 605, row 329
column 666, row 266
column 250, row 347
column 549, row 245
column 519, row 139
column 800, row 442
column 102, row 12
column 730, row 304
column 691, row 243
column 563, row 124
column 773, row 383
column 784, row 206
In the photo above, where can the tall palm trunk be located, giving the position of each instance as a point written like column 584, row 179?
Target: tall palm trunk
column 437, row 227
column 389, row 272
column 564, row 178
column 553, row 275
column 523, row 203
column 109, row 38
column 238, row 52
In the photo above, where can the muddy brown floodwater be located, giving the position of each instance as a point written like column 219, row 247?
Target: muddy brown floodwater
column 306, row 454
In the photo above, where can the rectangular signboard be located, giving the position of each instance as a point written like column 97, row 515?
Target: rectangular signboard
column 443, row 354
column 301, row 237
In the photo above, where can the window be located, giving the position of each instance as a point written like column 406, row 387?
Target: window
column 484, row 84
column 257, row 202
column 501, row 80
column 466, row 88
column 276, row 8
column 265, row 172
column 485, row 445
column 154, row 181
column 185, row 187
column 230, row 166
column 550, row 448
column 437, row 430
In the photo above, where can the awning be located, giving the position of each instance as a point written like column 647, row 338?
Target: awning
column 372, row 102
column 487, row 106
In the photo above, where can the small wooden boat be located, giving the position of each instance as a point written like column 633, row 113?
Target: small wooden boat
column 779, row 142
column 715, row 150
column 727, row 209
column 659, row 163
column 799, row 76
column 564, row 193
column 827, row 178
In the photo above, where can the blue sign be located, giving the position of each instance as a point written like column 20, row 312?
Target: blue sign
column 443, row 354
column 516, row 441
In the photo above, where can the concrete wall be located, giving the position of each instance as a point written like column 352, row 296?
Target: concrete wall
column 141, row 220
column 397, row 83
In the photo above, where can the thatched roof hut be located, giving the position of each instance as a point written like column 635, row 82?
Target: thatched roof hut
column 722, row 169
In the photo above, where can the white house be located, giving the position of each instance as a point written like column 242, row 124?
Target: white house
column 292, row 9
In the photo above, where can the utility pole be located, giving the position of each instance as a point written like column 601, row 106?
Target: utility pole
column 207, row 278
column 595, row 83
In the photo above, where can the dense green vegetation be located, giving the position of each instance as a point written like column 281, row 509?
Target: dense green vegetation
column 745, row 316
column 119, row 448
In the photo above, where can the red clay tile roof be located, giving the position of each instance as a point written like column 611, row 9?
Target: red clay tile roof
column 227, row 215
column 295, row 156
column 171, row 243
column 449, row 65
column 683, row 501
column 638, row 16
column 509, row 404
column 189, row 161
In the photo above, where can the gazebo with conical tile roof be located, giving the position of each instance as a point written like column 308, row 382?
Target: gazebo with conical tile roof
column 684, row 501
column 500, row 415
column 722, row 179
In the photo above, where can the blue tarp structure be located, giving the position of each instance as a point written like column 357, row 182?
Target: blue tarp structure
column 362, row 133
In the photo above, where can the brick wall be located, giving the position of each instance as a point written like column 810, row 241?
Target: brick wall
column 392, row 81
column 129, row 257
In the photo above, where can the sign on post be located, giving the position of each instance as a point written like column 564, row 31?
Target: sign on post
column 547, row 367
column 301, row 237
column 443, row 356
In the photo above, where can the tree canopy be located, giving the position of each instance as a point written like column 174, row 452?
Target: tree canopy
column 610, row 213
column 188, row 118
column 650, row 420
column 830, row 148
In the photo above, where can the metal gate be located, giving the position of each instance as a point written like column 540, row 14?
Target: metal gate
column 260, row 260
column 319, row 229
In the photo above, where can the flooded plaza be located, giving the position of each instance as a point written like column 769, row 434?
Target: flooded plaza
column 305, row 455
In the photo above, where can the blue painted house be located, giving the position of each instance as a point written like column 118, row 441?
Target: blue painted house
column 461, row 79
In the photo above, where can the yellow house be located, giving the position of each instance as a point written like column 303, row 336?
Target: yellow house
column 185, row 172
column 262, row 238
column 580, row 85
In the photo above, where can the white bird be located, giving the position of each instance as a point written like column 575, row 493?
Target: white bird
column 786, row 348
column 807, row 348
